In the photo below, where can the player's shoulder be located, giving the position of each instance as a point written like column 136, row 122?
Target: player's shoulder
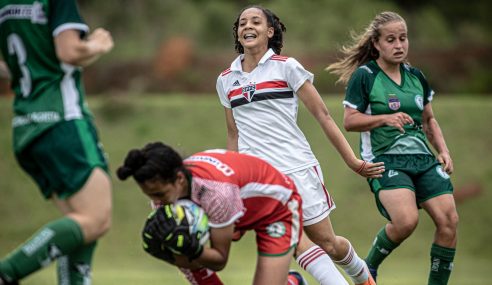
column 225, row 72
column 412, row 70
column 280, row 58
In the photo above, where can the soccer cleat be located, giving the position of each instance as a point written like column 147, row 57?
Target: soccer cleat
column 295, row 278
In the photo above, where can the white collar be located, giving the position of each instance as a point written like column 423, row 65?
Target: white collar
column 236, row 64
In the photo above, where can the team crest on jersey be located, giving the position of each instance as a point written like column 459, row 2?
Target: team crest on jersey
column 249, row 91
column 393, row 102
column 276, row 230
column 419, row 100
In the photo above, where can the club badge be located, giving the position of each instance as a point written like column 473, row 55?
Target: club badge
column 419, row 100
column 249, row 91
column 393, row 102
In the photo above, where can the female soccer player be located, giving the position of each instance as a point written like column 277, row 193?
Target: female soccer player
column 260, row 93
column 238, row 192
column 55, row 141
column 389, row 102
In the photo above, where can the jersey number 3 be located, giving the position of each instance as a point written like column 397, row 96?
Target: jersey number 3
column 16, row 47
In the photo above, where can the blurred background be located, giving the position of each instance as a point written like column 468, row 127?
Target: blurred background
column 182, row 45
column 159, row 84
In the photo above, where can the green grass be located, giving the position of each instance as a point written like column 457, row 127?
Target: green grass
column 194, row 123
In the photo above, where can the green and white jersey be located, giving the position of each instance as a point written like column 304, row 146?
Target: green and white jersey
column 47, row 91
column 372, row 92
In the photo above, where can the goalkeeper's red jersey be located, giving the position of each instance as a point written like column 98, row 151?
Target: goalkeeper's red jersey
column 247, row 191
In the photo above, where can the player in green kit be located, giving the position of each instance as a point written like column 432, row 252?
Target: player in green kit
column 45, row 43
column 389, row 102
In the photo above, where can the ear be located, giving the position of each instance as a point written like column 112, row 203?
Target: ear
column 270, row 32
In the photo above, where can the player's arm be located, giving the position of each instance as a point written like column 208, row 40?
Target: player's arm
column 232, row 132
column 436, row 138
column 215, row 257
column 71, row 49
column 314, row 103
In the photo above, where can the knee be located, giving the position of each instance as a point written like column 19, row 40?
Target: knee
column 448, row 225
column 405, row 227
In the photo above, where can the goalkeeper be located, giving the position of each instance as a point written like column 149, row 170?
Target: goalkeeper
column 238, row 192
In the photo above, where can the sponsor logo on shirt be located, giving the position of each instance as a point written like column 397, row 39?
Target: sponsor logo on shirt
column 276, row 230
column 236, row 83
column 249, row 91
column 393, row 102
column 32, row 12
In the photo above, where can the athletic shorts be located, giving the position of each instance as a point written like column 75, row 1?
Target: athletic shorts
column 278, row 226
column 61, row 160
column 420, row 173
column 316, row 200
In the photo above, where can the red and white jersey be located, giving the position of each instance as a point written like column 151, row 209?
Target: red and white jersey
column 264, row 104
column 238, row 188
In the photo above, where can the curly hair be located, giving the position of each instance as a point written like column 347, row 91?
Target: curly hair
column 155, row 160
column 276, row 42
column 362, row 48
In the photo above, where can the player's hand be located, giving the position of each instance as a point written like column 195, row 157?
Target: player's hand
column 161, row 224
column 154, row 247
column 100, row 40
column 446, row 162
column 398, row 120
column 184, row 243
column 369, row 169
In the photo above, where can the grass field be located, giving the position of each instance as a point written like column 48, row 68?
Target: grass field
column 194, row 123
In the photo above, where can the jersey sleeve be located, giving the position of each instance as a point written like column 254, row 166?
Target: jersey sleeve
column 296, row 75
column 64, row 15
column 428, row 92
column 220, row 200
column 357, row 93
column 224, row 100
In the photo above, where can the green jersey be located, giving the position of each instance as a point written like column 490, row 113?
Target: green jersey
column 372, row 92
column 47, row 91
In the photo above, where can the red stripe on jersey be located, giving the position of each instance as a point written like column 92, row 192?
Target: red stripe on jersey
column 259, row 86
column 279, row 57
column 225, row 72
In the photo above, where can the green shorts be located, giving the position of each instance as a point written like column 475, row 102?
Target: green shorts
column 61, row 159
column 420, row 173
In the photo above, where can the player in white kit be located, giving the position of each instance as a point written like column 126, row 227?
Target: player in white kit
column 260, row 93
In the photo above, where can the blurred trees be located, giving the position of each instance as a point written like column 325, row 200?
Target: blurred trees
column 455, row 33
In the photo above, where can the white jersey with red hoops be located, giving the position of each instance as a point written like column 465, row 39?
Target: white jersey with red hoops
column 264, row 104
column 238, row 188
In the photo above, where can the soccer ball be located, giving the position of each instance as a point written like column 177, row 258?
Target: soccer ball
column 196, row 217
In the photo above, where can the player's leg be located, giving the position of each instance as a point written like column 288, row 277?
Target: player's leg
column 400, row 205
column 316, row 205
column 339, row 250
column 314, row 260
column 435, row 197
column 61, row 170
column 272, row 270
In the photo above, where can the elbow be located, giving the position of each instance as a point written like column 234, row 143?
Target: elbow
column 67, row 56
column 348, row 126
column 217, row 267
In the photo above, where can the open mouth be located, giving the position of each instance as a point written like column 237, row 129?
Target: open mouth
column 249, row 36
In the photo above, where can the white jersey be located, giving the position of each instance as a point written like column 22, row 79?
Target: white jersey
column 264, row 104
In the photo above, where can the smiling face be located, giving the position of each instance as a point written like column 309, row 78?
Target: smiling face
column 253, row 30
column 392, row 43
column 161, row 192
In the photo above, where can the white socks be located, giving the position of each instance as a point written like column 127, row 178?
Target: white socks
column 320, row 266
column 354, row 266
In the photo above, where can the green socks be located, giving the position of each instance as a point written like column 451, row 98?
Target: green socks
column 55, row 239
column 75, row 268
column 441, row 264
column 381, row 248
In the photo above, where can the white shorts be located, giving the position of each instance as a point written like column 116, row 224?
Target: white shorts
column 316, row 201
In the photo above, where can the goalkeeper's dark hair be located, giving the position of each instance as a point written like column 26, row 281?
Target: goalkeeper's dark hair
column 155, row 160
column 276, row 42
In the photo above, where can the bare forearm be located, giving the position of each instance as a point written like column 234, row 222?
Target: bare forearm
column 435, row 136
column 359, row 122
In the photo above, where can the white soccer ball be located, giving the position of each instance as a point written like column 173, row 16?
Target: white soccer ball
column 196, row 217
